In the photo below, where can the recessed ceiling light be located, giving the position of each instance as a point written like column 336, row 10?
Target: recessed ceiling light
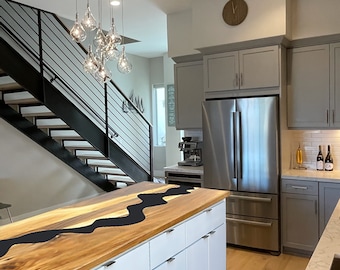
column 115, row 2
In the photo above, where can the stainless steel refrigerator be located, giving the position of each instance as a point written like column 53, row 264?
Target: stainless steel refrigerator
column 241, row 154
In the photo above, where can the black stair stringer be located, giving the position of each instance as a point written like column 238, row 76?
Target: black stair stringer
column 33, row 132
column 24, row 74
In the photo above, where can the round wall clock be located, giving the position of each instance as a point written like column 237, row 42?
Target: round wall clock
column 235, row 11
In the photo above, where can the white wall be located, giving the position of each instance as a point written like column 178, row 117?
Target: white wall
column 203, row 26
column 33, row 180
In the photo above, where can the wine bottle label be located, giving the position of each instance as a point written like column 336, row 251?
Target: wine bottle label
column 319, row 165
column 328, row 166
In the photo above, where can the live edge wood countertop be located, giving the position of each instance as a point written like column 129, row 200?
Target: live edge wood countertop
column 69, row 250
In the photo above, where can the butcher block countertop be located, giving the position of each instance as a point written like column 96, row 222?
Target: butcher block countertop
column 90, row 232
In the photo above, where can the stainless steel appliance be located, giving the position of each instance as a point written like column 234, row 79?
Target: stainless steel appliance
column 192, row 152
column 241, row 154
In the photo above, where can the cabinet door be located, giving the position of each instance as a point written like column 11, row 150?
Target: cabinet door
column 329, row 194
column 308, row 87
column 197, row 255
column 221, row 72
column 335, row 84
column 300, row 221
column 217, row 248
column 259, row 67
column 189, row 95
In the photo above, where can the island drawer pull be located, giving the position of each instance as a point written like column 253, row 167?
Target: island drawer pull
column 169, row 231
column 170, row 260
column 108, row 264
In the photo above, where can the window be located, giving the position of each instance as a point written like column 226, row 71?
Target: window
column 159, row 124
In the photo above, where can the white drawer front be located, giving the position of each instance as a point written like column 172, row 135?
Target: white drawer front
column 205, row 222
column 137, row 258
column 174, row 263
column 166, row 245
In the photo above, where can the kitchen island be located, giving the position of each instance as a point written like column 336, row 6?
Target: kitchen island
column 96, row 233
column 328, row 245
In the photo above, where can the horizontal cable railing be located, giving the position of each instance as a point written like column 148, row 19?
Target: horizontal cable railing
column 61, row 61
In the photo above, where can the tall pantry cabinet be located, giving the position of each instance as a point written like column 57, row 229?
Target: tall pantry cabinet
column 313, row 86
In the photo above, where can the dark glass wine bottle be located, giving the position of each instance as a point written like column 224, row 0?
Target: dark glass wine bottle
column 319, row 160
column 329, row 160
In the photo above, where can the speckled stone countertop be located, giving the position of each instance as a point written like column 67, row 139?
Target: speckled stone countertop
column 328, row 245
column 185, row 169
column 311, row 175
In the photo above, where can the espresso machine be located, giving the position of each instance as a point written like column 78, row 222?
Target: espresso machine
column 192, row 152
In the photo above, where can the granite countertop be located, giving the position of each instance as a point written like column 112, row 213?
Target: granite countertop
column 88, row 233
column 185, row 169
column 311, row 175
column 328, row 245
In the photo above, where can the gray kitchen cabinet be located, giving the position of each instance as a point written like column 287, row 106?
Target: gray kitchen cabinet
column 189, row 95
column 329, row 195
column 313, row 86
column 245, row 69
column 300, row 229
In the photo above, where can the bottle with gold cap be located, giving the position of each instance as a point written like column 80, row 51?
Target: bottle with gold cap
column 299, row 157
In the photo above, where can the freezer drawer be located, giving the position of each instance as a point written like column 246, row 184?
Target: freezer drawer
column 251, row 232
column 253, row 204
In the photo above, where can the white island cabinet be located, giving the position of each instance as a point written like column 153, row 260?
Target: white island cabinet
column 197, row 243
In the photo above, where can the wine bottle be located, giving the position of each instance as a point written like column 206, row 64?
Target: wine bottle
column 319, row 160
column 329, row 160
column 299, row 156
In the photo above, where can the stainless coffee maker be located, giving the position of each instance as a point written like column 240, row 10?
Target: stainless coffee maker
column 192, row 152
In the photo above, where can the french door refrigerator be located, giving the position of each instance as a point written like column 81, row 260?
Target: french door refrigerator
column 241, row 154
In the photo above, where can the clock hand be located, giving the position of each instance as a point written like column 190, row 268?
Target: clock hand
column 232, row 5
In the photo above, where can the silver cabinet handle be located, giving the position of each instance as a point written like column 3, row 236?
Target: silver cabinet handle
column 250, row 222
column 170, row 260
column 300, row 187
column 249, row 198
column 236, row 80
column 169, row 231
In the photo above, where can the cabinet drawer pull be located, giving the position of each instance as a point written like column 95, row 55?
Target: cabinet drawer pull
column 205, row 236
column 300, row 187
column 169, row 231
column 109, row 263
column 250, row 222
column 208, row 210
column 249, row 198
column 212, row 232
column 170, row 260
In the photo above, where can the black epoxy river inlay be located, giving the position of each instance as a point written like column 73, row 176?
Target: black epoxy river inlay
column 135, row 215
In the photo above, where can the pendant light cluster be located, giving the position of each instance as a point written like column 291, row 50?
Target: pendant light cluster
column 105, row 46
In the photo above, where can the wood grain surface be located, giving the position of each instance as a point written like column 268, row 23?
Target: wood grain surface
column 84, row 251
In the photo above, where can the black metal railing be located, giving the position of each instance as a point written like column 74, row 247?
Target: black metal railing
column 43, row 41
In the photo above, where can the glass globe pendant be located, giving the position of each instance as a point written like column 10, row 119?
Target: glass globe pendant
column 123, row 65
column 103, row 74
column 88, row 21
column 90, row 63
column 77, row 32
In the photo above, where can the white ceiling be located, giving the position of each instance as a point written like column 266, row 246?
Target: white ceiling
column 143, row 20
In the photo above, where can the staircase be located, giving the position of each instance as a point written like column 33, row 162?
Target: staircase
column 63, row 109
column 21, row 103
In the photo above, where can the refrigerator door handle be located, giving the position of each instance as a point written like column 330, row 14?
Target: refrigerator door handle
column 234, row 146
column 239, row 146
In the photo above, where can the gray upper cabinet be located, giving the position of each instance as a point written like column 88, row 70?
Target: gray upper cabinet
column 189, row 95
column 245, row 69
column 313, row 86
column 335, row 84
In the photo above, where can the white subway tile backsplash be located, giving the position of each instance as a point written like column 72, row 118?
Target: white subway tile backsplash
column 309, row 141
